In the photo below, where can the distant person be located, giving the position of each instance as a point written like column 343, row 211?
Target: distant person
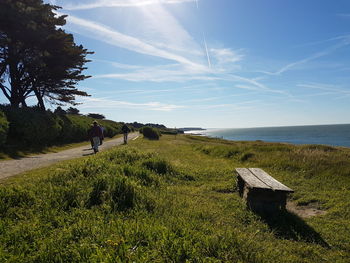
column 90, row 136
column 103, row 136
column 125, row 130
column 95, row 135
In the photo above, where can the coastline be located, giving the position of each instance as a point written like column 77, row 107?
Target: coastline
column 332, row 135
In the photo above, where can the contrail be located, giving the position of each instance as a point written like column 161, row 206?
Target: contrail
column 206, row 50
column 205, row 42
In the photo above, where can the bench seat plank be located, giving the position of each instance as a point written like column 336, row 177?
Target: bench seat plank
column 269, row 180
column 250, row 179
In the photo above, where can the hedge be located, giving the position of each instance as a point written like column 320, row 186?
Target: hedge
column 4, row 126
column 30, row 126
column 33, row 127
column 150, row 133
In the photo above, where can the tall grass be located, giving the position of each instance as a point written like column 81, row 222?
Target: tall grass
column 174, row 200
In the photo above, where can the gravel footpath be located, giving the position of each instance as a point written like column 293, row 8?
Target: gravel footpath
column 13, row 167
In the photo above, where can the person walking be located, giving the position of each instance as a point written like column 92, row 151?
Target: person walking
column 125, row 130
column 95, row 135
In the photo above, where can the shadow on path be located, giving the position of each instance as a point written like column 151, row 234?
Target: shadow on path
column 289, row 226
column 87, row 154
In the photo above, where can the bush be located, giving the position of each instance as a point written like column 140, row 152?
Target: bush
column 15, row 197
column 123, row 194
column 111, row 128
column 160, row 166
column 150, row 133
column 75, row 128
column 96, row 116
column 96, row 197
column 4, row 126
column 31, row 126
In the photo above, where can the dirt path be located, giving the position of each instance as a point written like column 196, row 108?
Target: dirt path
column 13, row 167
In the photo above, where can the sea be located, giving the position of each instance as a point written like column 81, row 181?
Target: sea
column 333, row 135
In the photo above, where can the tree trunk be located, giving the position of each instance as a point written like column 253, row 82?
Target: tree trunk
column 40, row 99
column 23, row 103
column 15, row 99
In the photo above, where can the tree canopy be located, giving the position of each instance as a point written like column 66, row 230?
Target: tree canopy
column 96, row 116
column 37, row 57
column 73, row 111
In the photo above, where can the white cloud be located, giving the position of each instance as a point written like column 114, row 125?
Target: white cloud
column 341, row 37
column 113, row 37
column 181, row 73
column 161, row 29
column 162, row 36
column 107, row 103
column 117, row 64
column 345, row 42
column 122, row 3
column 226, row 55
column 165, row 73
column 225, row 107
column 172, row 42
column 332, row 89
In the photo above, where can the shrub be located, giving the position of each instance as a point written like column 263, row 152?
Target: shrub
column 246, row 156
column 144, row 175
column 123, row 194
column 160, row 166
column 15, row 197
column 150, row 133
column 97, row 194
column 4, row 126
column 75, row 128
column 111, row 128
column 73, row 111
column 31, row 126
column 169, row 131
column 96, row 116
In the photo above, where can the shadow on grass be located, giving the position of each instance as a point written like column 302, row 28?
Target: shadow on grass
column 289, row 226
column 87, row 154
column 16, row 152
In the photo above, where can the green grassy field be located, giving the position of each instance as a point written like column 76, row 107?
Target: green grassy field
column 174, row 200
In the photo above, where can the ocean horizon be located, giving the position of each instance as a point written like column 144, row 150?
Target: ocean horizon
column 333, row 135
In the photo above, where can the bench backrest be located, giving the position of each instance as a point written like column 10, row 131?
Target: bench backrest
column 258, row 178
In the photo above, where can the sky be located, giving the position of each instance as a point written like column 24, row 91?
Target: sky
column 214, row 63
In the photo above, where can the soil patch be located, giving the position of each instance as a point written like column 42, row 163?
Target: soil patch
column 305, row 211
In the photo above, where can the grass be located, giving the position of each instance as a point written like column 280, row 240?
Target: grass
column 174, row 200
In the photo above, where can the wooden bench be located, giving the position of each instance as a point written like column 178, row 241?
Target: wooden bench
column 261, row 191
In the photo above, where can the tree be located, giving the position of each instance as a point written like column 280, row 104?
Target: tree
column 96, row 116
column 37, row 58
column 73, row 111
column 60, row 111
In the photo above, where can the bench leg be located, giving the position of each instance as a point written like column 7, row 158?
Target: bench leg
column 283, row 202
column 240, row 186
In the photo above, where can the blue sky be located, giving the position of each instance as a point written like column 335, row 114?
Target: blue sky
column 215, row 63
